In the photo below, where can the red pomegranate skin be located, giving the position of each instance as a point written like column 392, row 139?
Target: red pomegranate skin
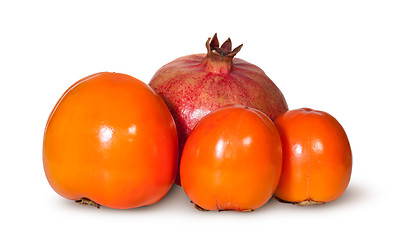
column 194, row 85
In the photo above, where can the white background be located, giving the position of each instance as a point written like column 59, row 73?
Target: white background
column 335, row 56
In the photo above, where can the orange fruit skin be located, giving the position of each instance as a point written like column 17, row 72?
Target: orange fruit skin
column 317, row 159
column 112, row 140
column 232, row 160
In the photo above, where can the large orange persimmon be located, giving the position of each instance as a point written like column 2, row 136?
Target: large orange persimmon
column 317, row 159
column 232, row 160
column 110, row 140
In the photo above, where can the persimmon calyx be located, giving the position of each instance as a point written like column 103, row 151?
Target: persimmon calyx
column 220, row 210
column 86, row 201
column 308, row 202
column 200, row 208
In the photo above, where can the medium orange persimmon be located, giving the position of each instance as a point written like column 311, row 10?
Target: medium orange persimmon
column 231, row 160
column 110, row 140
column 317, row 159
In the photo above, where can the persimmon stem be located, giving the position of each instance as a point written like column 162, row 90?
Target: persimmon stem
column 86, row 201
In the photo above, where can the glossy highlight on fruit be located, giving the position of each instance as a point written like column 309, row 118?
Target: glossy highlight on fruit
column 194, row 85
column 317, row 159
column 232, row 160
column 111, row 141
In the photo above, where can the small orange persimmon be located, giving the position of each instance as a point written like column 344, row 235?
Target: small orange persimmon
column 231, row 160
column 317, row 159
column 110, row 140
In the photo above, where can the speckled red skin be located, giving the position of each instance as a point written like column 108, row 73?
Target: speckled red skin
column 192, row 86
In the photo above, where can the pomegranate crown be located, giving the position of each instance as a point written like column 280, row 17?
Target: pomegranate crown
column 225, row 51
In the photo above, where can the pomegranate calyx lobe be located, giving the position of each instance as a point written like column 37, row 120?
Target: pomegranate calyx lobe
column 219, row 59
column 213, row 47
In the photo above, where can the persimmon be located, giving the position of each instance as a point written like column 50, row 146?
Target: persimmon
column 111, row 140
column 231, row 160
column 317, row 159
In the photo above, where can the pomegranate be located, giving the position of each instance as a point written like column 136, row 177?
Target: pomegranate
column 192, row 86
